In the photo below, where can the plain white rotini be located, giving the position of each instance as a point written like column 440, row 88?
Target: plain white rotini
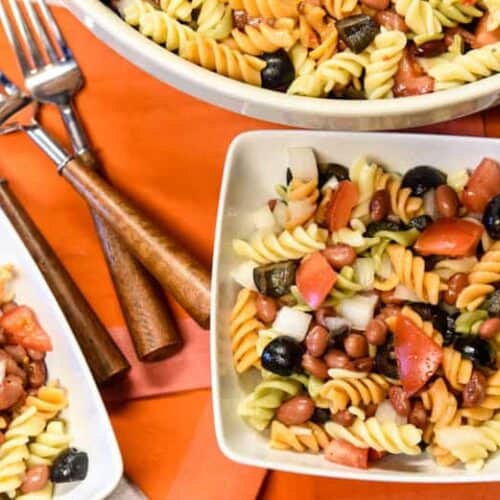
column 383, row 65
column 419, row 16
column 450, row 14
column 215, row 19
column 493, row 8
column 341, row 69
column 267, row 8
column 179, row 9
column 264, row 248
column 381, row 436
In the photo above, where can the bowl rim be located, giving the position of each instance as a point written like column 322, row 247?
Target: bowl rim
column 170, row 68
column 224, row 445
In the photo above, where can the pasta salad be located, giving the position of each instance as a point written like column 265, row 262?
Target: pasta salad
column 369, row 306
column 350, row 49
column 35, row 442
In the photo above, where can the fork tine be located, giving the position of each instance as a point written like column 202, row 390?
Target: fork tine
column 40, row 30
column 26, row 34
column 54, row 27
column 14, row 41
column 10, row 87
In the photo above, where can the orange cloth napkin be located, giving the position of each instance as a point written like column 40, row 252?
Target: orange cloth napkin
column 164, row 150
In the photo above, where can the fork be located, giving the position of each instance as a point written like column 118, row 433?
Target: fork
column 56, row 82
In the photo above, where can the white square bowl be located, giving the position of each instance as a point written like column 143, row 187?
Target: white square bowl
column 255, row 163
column 86, row 416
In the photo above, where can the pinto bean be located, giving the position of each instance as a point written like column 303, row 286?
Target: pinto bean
column 380, row 205
column 418, row 415
column 447, row 202
column 296, row 410
column 489, row 328
column 35, row 479
column 399, row 400
column 475, row 390
column 376, row 4
column 11, row 367
column 339, row 255
column 456, row 284
column 370, row 410
column 337, row 359
column 322, row 313
column 433, row 48
column 466, row 35
column 11, row 391
column 266, row 308
column 240, row 19
column 355, row 345
column 363, row 364
column 388, row 311
column 317, row 340
column 17, row 352
column 37, row 374
column 344, row 418
column 376, row 332
column 35, row 355
column 314, row 366
column 387, row 297
column 391, row 20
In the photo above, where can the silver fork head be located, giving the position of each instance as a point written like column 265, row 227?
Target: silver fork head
column 17, row 110
column 50, row 71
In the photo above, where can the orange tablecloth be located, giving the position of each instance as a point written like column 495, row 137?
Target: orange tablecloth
column 165, row 150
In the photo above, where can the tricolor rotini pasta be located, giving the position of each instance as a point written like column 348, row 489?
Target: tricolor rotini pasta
column 328, row 48
column 359, row 309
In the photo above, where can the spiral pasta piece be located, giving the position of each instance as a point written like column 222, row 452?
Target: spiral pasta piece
column 457, row 370
column 178, row 9
column 266, row 248
column 302, row 63
column 464, row 68
column 425, row 326
column 446, row 268
column 46, row 493
column 308, row 437
column 493, row 8
column 355, row 391
column 339, row 9
column 482, row 278
column 419, row 16
column 259, row 408
column 48, row 401
column 14, row 451
column 317, row 32
column 450, row 14
column 383, row 65
column 215, row 19
column 341, row 69
column 244, row 331
column 133, row 10
column 7, row 274
column 381, row 436
column 264, row 38
column 48, row 444
column 489, row 405
column 223, row 60
column 267, row 8
column 442, row 404
column 304, row 196
column 410, row 270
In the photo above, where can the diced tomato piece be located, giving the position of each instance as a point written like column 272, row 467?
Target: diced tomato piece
column 417, row 355
column 482, row 35
column 451, row 237
column 374, row 455
column 315, row 278
column 410, row 78
column 21, row 327
column 484, row 184
column 344, row 199
column 344, row 453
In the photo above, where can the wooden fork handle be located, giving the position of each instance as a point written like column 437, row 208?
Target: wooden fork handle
column 172, row 266
column 143, row 304
column 103, row 356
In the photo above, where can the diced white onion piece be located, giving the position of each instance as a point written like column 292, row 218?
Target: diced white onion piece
column 430, row 203
column 292, row 323
column 331, row 183
column 3, row 366
column 342, row 373
column 385, row 270
column 336, row 323
column 300, row 210
column 402, row 292
column 243, row 274
column 358, row 310
column 364, row 269
column 386, row 413
column 280, row 213
column 264, row 220
column 300, row 431
column 302, row 163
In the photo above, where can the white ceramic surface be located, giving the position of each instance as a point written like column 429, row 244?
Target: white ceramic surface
column 255, row 163
column 273, row 106
column 88, row 421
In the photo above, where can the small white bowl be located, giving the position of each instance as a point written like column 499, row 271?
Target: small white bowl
column 273, row 106
column 86, row 416
column 255, row 163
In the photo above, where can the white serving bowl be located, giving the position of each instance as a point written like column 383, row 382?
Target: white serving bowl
column 274, row 106
column 255, row 163
column 88, row 422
